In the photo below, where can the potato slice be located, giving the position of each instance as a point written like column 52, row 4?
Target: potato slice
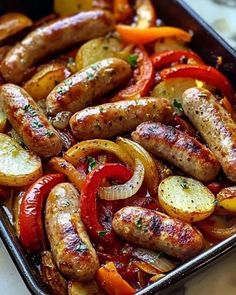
column 18, row 167
column 96, row 50
column 169, row 44
column 173, row 89
column 226, row 199
column 3, row 120
column 64, row 8
column 89, row 288
column 186, row 198
column 43, row 82
column 12, row 23
column 51, row 275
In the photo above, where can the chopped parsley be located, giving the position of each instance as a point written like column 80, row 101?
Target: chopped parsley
column 178, row 107
column 133, row 60
column 36, row 124
column 81, row 248
column 184, row 184
column 65, row 87
column 28, row 108
column 215, row 202
column 139, row 223
column 91, row 163
column 102, row 233
column 89, row 76
column 202, row 95
column 49, row 133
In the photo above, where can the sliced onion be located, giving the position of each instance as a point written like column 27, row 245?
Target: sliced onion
column 160, row 263
column 126, row 190
column 146, row 267
column 156, row 277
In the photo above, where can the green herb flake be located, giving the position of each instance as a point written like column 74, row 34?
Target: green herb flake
column 28, row 108
column 71, row 60
column 81, row 248
column 184, row 184
column 89, row 76
column 49, row 133
column 215, row 202
column 133, row 60
column 139, row 223
column 202, row 95
column 36, row 124
column 101, row 109
column 91, row 163
column 102, row 233
column 178, row 107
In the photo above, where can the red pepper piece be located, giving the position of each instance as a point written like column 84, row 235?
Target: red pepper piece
column 143, row 75
column 30, row 215
column 88, row 203
column 166, row 58
column 204, row 73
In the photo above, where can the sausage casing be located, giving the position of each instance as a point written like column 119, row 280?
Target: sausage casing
column 157, row 231
column 52, row 37
column 180, row 149
column 215, row 125
column 110, row 119
column 29, row 121
column 79, row 90
column 70, row 245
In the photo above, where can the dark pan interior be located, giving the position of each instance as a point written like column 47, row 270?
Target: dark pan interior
column 209, row 46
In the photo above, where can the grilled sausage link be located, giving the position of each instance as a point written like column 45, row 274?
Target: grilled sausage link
column 110, row 119
column 157, row 231
column 81, row 89
column 180, row 149
column 70, row 245
column 52, row 37
column 29, row 121
column 215, row 125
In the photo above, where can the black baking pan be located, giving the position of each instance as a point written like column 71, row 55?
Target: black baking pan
column 209, row 45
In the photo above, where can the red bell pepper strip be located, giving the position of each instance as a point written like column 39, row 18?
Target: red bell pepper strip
column 88, row 203
column 166, row 58
column 204, row 73
column 143, row 75
column 30, row 215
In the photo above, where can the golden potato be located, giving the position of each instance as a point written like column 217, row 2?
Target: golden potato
column 226, row 199
column 18, row 167
column 12, row 23
column 43, row 82
column 186, row 198
column 64, row 8
column 169, row 44
column 96, row 50
column 89, row 288
column 51, row 275
column 3, row 120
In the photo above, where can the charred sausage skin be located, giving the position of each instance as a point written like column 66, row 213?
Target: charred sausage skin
column 70, row 245
column 157, row 231
column 110, row 119
column 82, row 88
column 29, row 121
column 180, row 149
column 215, row 126
column 52, row 37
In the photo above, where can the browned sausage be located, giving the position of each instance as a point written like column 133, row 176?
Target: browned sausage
column 52, row 37
column 180, row 149
column 81, row 89
column 70, row 245
column 29, row 121
column 110, row 119
column 157, row 231
column 215, row 125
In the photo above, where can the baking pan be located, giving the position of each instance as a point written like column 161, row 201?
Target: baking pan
column 209, row 45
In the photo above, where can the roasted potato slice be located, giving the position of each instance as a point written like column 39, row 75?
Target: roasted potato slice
column 64, row 8
column 96, row 50
column 43, row 82
column 89, row 288
column 172, row 89
column 185, row 198
column 51, row 275
column 169, row 44
column 226, row 199
column 3, row 120
column 18, row 167
column 12, row 23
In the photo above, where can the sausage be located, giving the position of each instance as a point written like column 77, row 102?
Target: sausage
column 157, row 231
column 29, row 121
column 215, row 126
column 72, row 250
column 82, row 88
column 52, row 37
column 179, row 148
column 110, row 119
